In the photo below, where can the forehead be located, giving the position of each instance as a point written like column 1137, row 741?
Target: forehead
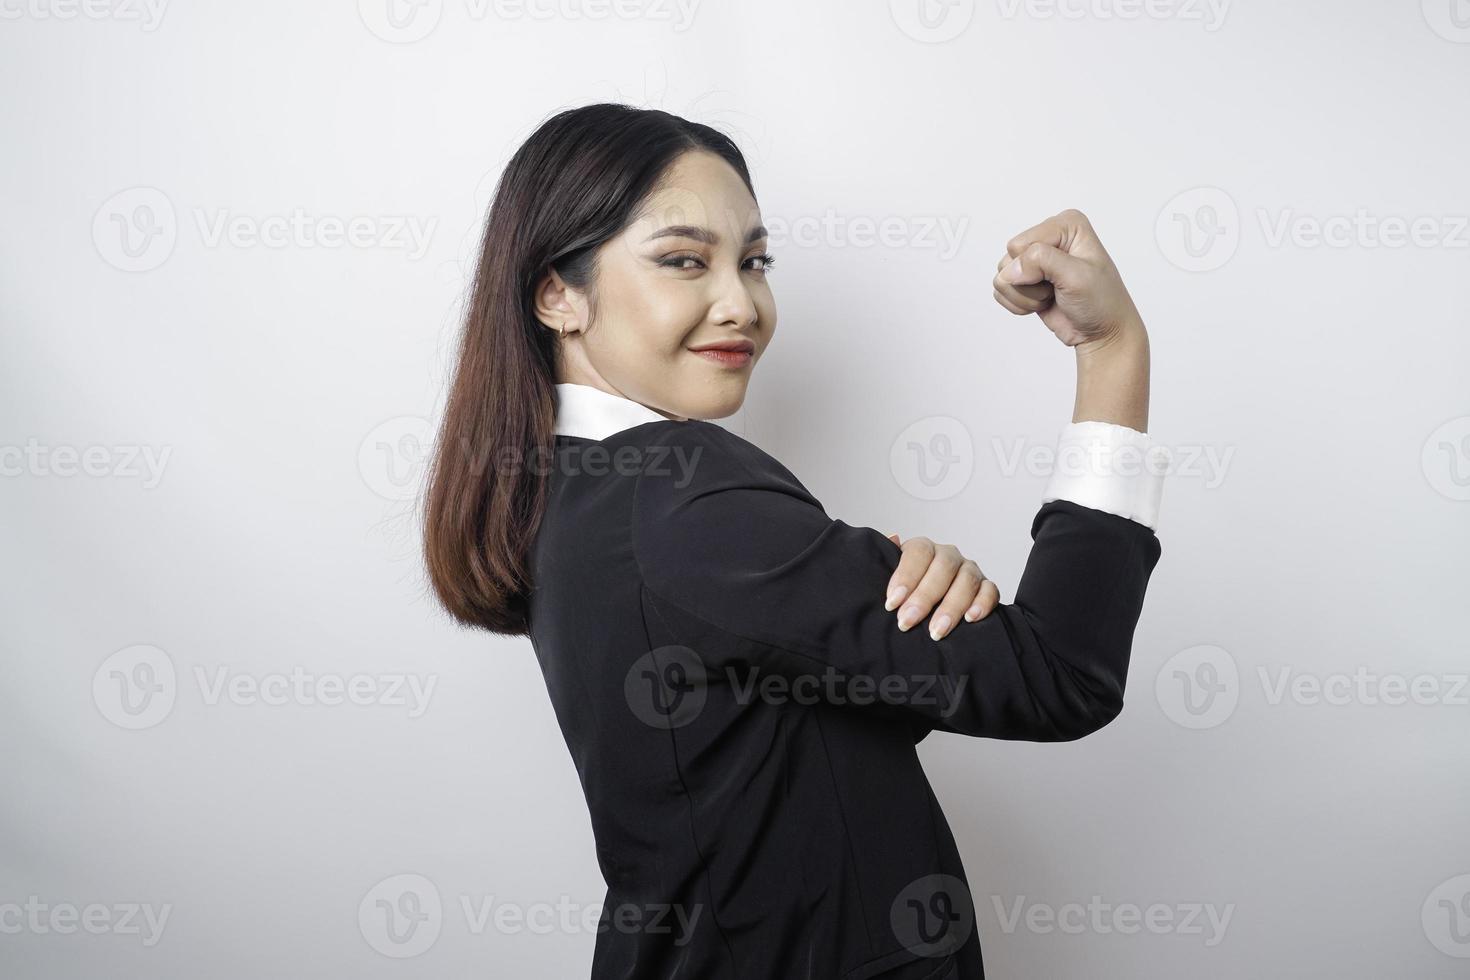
column 700, row 189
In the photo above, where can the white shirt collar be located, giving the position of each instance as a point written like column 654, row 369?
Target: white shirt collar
column 592, row 413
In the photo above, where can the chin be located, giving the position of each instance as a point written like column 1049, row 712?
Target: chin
column 720, row 403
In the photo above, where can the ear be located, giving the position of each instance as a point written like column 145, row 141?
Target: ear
column 556, row 304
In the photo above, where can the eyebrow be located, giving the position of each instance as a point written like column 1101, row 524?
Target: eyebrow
column 704, row 234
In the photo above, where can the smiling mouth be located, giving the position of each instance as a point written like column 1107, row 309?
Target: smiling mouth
column 726, row 357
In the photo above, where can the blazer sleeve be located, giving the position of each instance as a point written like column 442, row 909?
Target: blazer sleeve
column 734, row 539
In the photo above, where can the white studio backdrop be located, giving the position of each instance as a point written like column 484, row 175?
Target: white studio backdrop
column 235, row 241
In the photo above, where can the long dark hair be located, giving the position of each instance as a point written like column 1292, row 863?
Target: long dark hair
column 577, row 182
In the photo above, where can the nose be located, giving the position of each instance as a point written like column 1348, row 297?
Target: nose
column 734, row 305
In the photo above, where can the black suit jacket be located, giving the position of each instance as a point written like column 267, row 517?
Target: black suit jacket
column 742, row 710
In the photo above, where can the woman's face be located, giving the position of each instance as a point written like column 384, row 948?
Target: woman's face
column 688, row 272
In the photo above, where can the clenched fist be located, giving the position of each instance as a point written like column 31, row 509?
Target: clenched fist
column 1061, row 272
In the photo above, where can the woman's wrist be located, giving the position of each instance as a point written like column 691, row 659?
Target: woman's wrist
column 1113, row 376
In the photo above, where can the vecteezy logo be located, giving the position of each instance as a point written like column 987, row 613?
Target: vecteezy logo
column 401, row 916
column 400, row 21
column 666, row 687
column 1445, row 458
column 392, row 457
column 934, row 458
column 135, row 230
column 933, row 916
column 1198, row 687
column 1445, row 916
column 135, row 687
column 932, row 21
column 1199, row 230
column 1450, row 19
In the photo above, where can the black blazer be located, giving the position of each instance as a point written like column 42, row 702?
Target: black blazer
column 743, row 712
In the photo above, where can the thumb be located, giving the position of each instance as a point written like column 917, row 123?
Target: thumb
column 1041, row 261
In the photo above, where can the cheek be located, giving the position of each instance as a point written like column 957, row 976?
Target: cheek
column 646, row 336
column 663, row 316
column 765, row 305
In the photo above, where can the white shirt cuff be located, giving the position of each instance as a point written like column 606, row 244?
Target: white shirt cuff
column 1111, row 468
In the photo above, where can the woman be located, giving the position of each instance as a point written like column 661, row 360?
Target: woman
column 739, row 701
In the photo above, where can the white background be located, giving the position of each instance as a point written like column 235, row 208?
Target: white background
column 1314, row 389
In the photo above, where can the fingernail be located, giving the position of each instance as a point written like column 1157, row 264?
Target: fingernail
column 1013, row 271
column 895, row 597
column 938, row 626
column 908, row 616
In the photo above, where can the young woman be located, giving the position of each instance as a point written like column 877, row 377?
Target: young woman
column 739, row 699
